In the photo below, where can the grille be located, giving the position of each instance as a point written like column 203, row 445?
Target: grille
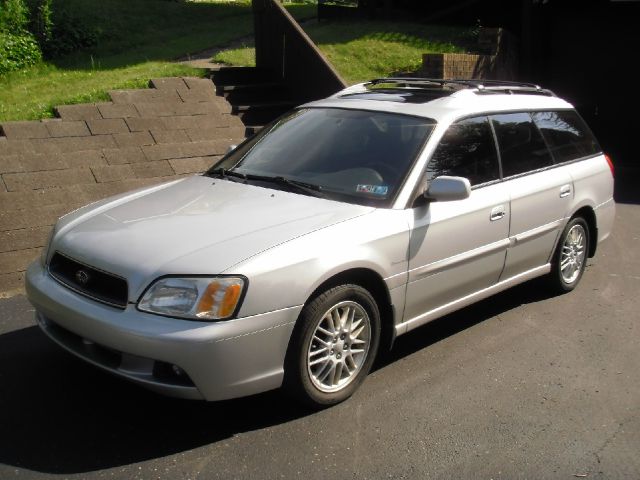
column 91, row 282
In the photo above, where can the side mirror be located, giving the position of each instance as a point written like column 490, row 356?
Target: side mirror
column 444, row 189
column 231, row 148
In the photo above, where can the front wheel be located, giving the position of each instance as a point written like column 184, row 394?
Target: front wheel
column 333, row 346
column 570, row 257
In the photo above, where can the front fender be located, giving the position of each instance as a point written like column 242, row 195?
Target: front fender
column 286, row 275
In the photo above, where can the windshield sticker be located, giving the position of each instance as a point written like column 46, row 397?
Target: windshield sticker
column 373, row 189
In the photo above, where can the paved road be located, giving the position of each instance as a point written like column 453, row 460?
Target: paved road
column 519, row 386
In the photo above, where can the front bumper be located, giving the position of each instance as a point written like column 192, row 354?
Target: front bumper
column 215, row 360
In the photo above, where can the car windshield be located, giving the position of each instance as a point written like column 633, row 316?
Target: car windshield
column 353, row 156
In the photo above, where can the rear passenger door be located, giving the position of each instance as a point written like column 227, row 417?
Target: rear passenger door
column 540, row 196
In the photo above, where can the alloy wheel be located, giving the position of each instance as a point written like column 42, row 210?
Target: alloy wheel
column 573, row 254
column 339, row 346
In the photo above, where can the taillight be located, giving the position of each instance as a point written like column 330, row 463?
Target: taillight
column 608, row 159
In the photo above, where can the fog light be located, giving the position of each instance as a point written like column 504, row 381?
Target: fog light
column 177, row 370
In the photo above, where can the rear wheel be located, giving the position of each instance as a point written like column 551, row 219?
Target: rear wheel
column 570, row 258
column 333, row 346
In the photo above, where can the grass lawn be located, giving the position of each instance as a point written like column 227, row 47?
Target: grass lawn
column 369, row 49
column 31, row 94
column 137, row 39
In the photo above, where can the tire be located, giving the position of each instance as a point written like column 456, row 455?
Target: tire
column 570, row 257
column 333, row 346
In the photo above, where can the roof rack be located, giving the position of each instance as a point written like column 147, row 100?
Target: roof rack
column 481, row 86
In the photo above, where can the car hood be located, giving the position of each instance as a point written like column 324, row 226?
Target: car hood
column 195, row 226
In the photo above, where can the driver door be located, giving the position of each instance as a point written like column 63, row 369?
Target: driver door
column 458, row 247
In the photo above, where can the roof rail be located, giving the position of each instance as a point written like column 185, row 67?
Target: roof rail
column 481, row 86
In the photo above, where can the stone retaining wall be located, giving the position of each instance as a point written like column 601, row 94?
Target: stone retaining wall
column 142, row 137
column 496, row 59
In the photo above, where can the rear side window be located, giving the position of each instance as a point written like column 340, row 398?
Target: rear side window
column 522, row 148
column 566, row 134
column 466, row 150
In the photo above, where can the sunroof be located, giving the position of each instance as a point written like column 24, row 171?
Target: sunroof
column 404, row 96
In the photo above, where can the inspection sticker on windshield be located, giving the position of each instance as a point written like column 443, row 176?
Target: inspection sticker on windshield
column 373, row 189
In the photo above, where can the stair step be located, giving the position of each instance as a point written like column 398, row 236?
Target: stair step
column 262, row 114
column 262, row 106
column 250, row 86
column 254, row 93
column 241, row 75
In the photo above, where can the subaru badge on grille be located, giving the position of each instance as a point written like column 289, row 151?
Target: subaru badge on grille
column 82, row 277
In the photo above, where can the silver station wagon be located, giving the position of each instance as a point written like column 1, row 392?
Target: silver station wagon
column 313, row 244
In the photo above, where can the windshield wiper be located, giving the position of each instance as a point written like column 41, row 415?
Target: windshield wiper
column 304, row 187
column 308, row 188
column 224, row 173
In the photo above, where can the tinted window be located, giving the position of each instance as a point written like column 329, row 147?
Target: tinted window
column 522, row 148
column 466, row 150
column 566, row 134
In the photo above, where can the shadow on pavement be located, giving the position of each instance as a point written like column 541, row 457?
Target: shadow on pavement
column 531, row 292
column 61, row 416
column 58, row 415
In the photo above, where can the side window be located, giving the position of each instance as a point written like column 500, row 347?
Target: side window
column 522, row 148
column 466, row 150
column 566, row 134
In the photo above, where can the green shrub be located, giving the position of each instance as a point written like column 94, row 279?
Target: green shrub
column 18, row 52
column 14, row 17
column 58, row 31
column 68, row 34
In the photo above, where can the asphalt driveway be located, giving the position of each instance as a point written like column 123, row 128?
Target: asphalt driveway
column 522, row 385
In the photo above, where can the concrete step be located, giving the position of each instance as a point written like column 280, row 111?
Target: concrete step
column 254, row 93
column 225, row 89
column 261, row 113
column 241, row 76
column 257, row 95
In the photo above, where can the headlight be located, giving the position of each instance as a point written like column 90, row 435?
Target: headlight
column 198, row 298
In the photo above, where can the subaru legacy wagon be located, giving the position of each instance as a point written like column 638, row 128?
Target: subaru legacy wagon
column 315, row 243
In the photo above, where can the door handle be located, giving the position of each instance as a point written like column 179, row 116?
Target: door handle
column 497, row 213
column 565, row 190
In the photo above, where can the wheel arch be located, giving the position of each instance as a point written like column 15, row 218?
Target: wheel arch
column 589, row 216
column 373, row 282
